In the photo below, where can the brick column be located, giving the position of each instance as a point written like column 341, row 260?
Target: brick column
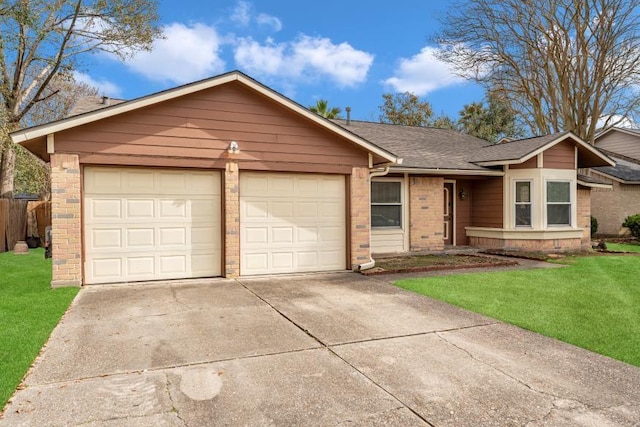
column 584, row 216
column 360, row 216
column 426, row 226
column 232, row 220
column 66, row 220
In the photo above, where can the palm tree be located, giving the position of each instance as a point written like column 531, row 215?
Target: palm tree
column 322, row 109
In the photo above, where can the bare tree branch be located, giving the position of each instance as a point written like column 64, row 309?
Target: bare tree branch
column 563, row 64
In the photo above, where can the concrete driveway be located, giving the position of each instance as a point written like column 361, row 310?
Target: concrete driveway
column 335, row 349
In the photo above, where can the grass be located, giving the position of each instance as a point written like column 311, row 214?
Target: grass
column 593, row 303
column 621, row 247
column 29, row 310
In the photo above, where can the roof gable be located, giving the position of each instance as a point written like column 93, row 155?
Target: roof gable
column 519, row 151
column 41, row 131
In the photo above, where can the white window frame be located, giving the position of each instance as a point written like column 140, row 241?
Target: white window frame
column 571, row 203
column 401, row 204
column 530, row 202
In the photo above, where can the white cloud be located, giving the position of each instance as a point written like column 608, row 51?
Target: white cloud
column 422, row 73
column 105, row 87
column 185, row 54
column 242, row 12
column 269, row 21
column 616, row 120
column 304, row 58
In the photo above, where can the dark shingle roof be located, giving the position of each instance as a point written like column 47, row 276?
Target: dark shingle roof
column 420, row 147
column 626, row 169
column 514, row 150
column 93, row 103
column 591, row 179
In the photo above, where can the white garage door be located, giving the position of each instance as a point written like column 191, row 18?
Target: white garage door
column 151, row 224
column 291, row 223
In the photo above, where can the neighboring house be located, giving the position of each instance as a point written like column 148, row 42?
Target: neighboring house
column 226, row 177
column 611, row 206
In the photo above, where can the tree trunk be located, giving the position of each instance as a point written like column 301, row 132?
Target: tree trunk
column 7, row 173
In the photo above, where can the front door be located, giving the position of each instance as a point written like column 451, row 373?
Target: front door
column 448, row 214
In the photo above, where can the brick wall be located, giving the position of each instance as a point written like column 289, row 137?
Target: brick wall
column 605, row 207
column 549, row 245
column 583, row 209
column 426, row 213
column 66, row 220
column 231, row 220
column 360, row 207
column 611, row 207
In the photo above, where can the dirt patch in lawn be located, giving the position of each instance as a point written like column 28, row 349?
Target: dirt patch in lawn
column 418, row 263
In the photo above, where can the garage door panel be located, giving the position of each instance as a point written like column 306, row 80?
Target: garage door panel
column 102, row 268
column 105, row 181
column 204, row 209
column 172, row 183
column 307, row 235
column 281, row 210
column 140, row 266
column 203, row 235
column 141, row 237
column 172, row 208
column 307, row 210
column 140, row 182
column 173, row 236
column 107, row 238
column 140, row 208
column 308, row 260
column 172, row 264
column 255, row 263
column 282, row 261
column 254, row 210
column 331, row 234
column 106, row 209
column 286, row 222
column 281, row 235
column 162, row 235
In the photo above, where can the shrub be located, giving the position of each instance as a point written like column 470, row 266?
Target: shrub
column 594, row 225
column 633, row 223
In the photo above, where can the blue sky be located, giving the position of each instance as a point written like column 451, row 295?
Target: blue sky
column 348, row 53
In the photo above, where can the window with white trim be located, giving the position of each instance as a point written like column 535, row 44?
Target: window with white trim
column 386, row 204
column 558, row 203
column 523, row 204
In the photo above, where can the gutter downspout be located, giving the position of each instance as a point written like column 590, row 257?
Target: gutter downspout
column 372, row 262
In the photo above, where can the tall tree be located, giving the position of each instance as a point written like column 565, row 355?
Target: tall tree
column 40, row 39
column 562, row 64
column 31, row 173
column 322, row 109
column 491, row 122
column 405, row 109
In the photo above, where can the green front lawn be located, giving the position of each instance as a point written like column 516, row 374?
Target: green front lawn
column 593, row 303
column 29, row 310
column 622, row 247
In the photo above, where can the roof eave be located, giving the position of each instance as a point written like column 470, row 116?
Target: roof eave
column 438, row 171
column 594, row 185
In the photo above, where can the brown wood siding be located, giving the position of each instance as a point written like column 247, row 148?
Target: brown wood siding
column 487, row 203
column 560, row 156
column 532, row 163
column 199, row 127
column 463, row 211
column 621, row 143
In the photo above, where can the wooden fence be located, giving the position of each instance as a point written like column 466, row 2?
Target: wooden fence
column 20, row 219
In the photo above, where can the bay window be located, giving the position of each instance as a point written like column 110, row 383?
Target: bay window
column 558, row 203
column 523, row 203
